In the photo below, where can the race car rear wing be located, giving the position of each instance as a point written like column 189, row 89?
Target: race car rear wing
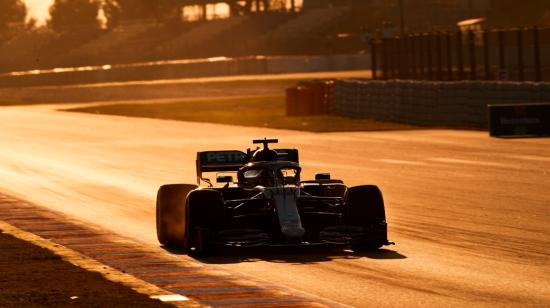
column 227, row 161
column 217, row 161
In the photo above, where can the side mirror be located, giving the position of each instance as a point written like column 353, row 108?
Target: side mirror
column 322, row 177
column 224, row 179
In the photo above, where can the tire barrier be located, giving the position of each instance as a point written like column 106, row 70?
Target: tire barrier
column 291, row 106
column 309, row 98
column 459, row 104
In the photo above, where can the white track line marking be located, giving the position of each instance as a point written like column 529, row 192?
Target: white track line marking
column 400, row 162
column 469, row 162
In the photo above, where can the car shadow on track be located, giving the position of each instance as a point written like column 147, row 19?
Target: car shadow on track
column 294, row 255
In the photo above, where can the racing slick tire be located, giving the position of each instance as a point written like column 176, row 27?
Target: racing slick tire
column 170, row 214
column 204, row 214
column 365, row 208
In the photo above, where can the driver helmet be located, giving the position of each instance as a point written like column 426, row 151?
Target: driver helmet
column 264, row 155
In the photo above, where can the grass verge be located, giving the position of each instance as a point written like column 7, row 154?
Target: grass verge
column 257, row 111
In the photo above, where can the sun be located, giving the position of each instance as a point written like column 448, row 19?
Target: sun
column 38, row 9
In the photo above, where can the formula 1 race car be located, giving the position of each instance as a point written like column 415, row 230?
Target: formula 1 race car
column 268, row 204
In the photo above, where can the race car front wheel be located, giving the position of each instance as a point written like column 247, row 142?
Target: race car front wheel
column 205, row 215
column 170, row 214
column 365, row 208
column 365, row 205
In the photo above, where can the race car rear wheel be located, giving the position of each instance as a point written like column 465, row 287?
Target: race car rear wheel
column 170, row 214
column 204, row 214
column 365, row 208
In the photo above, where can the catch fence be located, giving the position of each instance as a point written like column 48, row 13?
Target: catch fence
column 521, row 54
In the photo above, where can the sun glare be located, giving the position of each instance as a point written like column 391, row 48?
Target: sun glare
column 38, row 9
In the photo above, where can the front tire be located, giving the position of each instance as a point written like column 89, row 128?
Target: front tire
column 170, row 214
column 205, row 214
column 365, row 208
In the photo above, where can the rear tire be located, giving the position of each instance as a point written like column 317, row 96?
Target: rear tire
column 170, row 214
column 205, row 214
column 365, row 206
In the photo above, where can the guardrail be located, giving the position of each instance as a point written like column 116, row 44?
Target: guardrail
column 190, row 68
column 460, row 104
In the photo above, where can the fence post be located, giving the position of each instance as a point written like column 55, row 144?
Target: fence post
column 429, row 55
column 421, row 66
column 439, row 57
column 521, row 76
column 472, row 45
column 501, row 51
column 486, row 57
column 391, row 58
column 384, row 55
column 536, row 47
column 374, row 65
column 460, row 58
column 398, row 57
column 413, row 56
column 389, row 53
column 449, row 56
column 405, row 55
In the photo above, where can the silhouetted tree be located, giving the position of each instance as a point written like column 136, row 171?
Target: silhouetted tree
column 31, row 24
column 11, row 11
column 159, row 9
column 66, row 15
column 168, row 10
column 111, row 9
column 246, row 7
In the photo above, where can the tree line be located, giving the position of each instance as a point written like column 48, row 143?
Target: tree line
column 66, row 15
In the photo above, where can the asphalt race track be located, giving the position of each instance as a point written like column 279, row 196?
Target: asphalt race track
column 470, row 214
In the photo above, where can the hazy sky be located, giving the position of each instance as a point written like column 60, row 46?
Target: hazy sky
column 38, row 9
